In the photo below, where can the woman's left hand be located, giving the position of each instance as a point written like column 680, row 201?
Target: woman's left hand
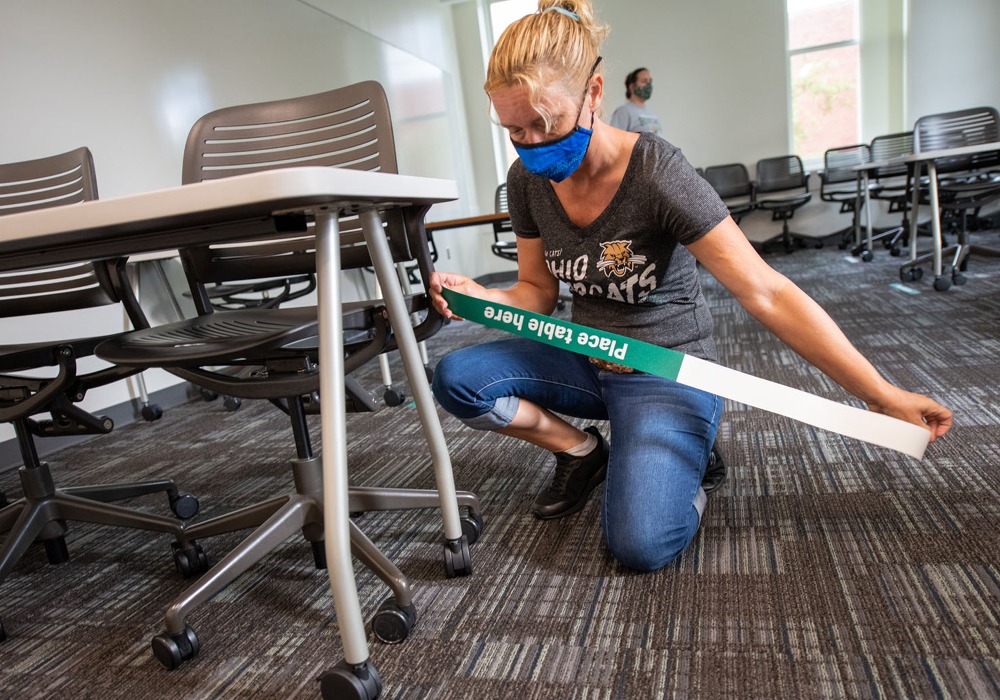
column 917, row 409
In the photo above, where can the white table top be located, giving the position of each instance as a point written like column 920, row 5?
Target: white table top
column 238, row 207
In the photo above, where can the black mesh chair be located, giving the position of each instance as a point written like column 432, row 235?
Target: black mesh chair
column 966, row 183
column 44, row 377
column 839, row 185
column 504, row 244
column 733, row 184
column 893, row 186
column 350, row 128
column 782, row 187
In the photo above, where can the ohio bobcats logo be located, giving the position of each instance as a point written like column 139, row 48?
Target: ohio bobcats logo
column 617, row 258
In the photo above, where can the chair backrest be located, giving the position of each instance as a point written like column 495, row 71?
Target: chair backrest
column 348, row 127
column 888, row 147
column 67, row 178
column 780, row 173
column 729, row 180
column 838, row 163
column 499, row 206
column 500, row 198
column 966, row 127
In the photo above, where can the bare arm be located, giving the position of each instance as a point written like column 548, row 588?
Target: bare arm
column 535, row 289
column 804, row 326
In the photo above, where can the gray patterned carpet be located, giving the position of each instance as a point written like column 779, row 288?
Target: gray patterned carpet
column 825, row 568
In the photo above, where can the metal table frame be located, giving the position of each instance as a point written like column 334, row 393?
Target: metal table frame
column 240, row 208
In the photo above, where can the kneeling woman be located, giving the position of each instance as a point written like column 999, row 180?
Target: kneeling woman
column 623, row 219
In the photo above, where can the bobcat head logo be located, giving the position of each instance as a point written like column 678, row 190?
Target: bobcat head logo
column 617, row 258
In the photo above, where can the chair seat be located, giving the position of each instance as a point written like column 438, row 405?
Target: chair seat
column 218, row 337
column 505, row 249
column 783, row 200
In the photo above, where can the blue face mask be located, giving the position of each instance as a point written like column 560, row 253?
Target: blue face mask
column 556, row 159
column 559, row 158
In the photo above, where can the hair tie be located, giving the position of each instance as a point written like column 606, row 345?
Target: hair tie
column 562, row 10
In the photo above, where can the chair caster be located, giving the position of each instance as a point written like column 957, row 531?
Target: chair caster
column 209, row 395
column 895, row 251
column 151, row 412
column 185, row 506
column 958, row 279
column 191, row 561
column 867, row 256
column 319, row 554
column 232, row 403
column 392, row 624
column 393, row 396
column 56, row 550
column 472, row 527
column 457, row 558
column 350, row 682
column 171, row 650
column 942, row 284
column 912, row 274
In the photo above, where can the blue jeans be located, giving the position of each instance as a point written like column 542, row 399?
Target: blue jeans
column 661, row 434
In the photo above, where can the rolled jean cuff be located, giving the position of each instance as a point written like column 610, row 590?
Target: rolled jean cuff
column 497, row 417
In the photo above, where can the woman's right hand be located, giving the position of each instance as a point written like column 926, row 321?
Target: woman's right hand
column 451, row 280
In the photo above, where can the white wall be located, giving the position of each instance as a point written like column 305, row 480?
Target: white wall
column 128, row 79
column 953, row 56
column 718, row 71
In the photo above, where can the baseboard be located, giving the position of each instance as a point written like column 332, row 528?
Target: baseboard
column 122, row 414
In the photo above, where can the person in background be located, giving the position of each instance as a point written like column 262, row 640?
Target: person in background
column 634, row 115
column 624, row 219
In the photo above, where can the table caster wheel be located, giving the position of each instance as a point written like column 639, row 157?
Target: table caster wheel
column 393, row 396
column 911, row 275
column 472, row 527
column 457, row 559
column 172, row 650
column 191, row 561
column 350, row 682
column 185, row 506
column 392, row 624
column 151, row 412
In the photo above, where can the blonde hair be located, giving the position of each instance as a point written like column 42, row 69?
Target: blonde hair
column 559, row 43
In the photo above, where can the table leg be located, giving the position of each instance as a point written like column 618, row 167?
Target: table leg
column 868, row 212
column 914, row 177
column 385, row 271
column 336, row 515
column 935, row 217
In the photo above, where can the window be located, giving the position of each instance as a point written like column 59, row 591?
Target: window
column 824, row 65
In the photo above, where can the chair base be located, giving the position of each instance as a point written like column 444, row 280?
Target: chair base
column 278, row 519
column 42, row 513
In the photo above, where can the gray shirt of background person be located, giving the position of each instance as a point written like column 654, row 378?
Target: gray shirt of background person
column 632, row 117
column 628, row 270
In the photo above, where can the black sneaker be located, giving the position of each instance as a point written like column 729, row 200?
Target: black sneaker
column 715, row 472
column 573, row 481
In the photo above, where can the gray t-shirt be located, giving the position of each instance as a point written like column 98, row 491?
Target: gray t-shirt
column 632, row 117
column 628, row 270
